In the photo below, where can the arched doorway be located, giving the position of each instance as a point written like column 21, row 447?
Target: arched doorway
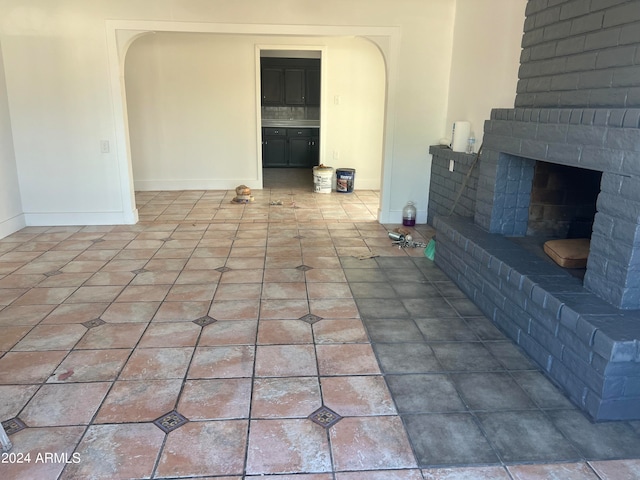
column 125, row 33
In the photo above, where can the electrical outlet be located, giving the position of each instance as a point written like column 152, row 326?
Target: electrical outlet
column 336, row 99
column 451, row 164
column 104, row 146
column 336, row 154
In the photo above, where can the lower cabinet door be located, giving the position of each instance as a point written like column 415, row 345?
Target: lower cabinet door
column 274, row 151
column 299, row 152
column 314, row 151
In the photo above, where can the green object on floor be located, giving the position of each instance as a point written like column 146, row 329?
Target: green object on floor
column 430, row 250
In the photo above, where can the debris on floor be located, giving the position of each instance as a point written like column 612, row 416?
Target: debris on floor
column 243, row 195
column 64, row 376
column 402, row 230
column 430, row 250
column 402, row 240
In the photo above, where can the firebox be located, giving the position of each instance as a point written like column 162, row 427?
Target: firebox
column 563, row 201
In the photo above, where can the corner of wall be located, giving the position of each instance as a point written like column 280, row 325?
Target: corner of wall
column 12, row 225
column 11, row 215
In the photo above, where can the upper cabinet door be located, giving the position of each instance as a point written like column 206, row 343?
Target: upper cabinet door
column 294, row 86
column 313, row 86
column 272, row 81
column 290, row 81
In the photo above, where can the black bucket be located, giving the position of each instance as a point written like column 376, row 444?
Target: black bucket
column 344, row 179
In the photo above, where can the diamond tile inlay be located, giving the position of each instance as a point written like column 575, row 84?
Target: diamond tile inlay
column 169, row 422
column 325, row 417
column 98, row 240
column 303, row 268
column 13, row 425
column 223, row 269
column 310, row 318
column 204, row 321
column 96, row 322
column 139, row 271
column 53, row 273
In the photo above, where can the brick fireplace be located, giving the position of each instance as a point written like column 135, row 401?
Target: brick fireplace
column 577, row 105
column 611, row 145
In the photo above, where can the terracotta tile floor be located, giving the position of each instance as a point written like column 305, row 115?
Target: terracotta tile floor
column 249, row 321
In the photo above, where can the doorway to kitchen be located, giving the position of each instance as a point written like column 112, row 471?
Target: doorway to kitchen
column 290, row 92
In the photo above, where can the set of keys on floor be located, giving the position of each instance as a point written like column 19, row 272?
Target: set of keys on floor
column 403, row 241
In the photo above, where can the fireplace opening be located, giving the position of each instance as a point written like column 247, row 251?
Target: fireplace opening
column 562, row 206
column 563, row 201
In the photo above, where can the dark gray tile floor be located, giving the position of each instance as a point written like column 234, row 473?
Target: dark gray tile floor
column 287, row 178
column 465, row 392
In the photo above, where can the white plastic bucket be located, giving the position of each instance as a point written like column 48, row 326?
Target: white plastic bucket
column 322, row 177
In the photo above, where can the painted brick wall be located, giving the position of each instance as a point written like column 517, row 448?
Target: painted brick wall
column 580, row 53
column 577, row 104
column 445, row 185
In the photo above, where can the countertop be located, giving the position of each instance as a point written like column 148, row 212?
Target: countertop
column 268, row 122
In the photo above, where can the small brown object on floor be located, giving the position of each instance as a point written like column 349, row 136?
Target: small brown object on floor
column 66, row 375
column 243, row 190
column 366, row 256
column 402, row 231
column 243, row 195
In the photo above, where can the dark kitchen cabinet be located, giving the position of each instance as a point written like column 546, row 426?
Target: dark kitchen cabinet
column 290, row 81
column 272, row 84
column 274, row 147
column 315, row 148
column 299, row 152
column 301, row 147
column 290, row 147
column 312, row 86
column 294, row 86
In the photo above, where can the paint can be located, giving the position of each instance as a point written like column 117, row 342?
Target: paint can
column 344, row 179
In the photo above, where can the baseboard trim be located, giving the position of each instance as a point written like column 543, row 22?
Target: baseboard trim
column 12, row 225
column 81, row 218
column 205, row 184
column 212, row 184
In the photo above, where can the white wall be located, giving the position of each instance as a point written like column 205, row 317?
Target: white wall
column 11, row 218
column 192, row 116
column 59, row 86
column 191, row 101
column 354, row 126
column 57, row 67
column 485, row 62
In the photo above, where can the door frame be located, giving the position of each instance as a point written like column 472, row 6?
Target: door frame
column 287, row 47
